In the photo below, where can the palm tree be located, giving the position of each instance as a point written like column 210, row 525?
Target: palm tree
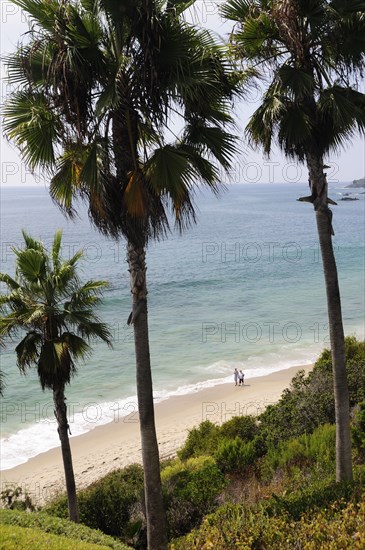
column 99, row 82
column 48, row 302
column 308, row 55
column 2, row 383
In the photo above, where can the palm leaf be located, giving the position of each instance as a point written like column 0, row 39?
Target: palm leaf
column 179, row 6
column 134, row 196
column 212, row 140
column 91, row 287
column 92, row 169
column 43, row 13
column 9, row 325
column 56, row 249
column 32, row 243
column 85, row 296
column 76, row 346
column 33, row 126
column 343, row 106
column 94, row 329
column 108, row 99
column 169, row 171
column 27, row 350
column 2, row 383
column 238, row 10
column 31, row 264
column 11, row 283
column 296, row 80
column 66, row 182
column 34, row 314
column 75, row 258
column 262, row 124
column 206, row 171
column 29, row 64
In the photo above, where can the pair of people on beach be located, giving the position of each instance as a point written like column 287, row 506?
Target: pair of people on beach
column 239, row 377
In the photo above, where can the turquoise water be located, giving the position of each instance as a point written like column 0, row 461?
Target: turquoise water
column 244, row 288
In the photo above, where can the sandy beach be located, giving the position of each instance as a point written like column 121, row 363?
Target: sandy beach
column 114, row 445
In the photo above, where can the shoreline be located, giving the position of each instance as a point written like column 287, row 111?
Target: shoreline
column 117, row 444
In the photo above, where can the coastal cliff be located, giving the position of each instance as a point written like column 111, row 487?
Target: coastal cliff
column 356, row 184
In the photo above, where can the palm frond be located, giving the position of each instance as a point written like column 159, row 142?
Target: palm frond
column 239, row 10
column 95, row 330
column 56, row 249
column 32, row 243
column 33, row 126
column 85, row 296
column 264, row 120
column 31, row 264
column 73, row 261
column 11, row 283
column 169, row 171
column 296, row 81
column 27, row 351
column 343, row 106
column 43, row 13
column 9, row 324
column 2, row 383
column 76, row 346
column 66, row 181
column 341, row 113
column 28, row 65
column 91, row 287
column 212, row 141
column 206, row 171
column 134, row 196
column 34, row 314
column 179, row 6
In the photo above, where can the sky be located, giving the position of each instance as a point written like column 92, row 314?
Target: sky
column 249, row 167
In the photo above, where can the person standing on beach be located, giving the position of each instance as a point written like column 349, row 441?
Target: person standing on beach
column 235, row 376
column 241, row 378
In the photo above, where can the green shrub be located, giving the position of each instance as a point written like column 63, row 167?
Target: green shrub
column 232, row 527
column 337, row 527
column 23, row 539
column 190, row 490
column 317, row 495
column 58, row 506
column 113, row 504
column 303, row 451
column 42, row 522
column 206, row 438
column 200, row 441
column 198, row 480
column 234, row 456
column 309, row 402
column 286, row 418
column 244, row 427
column 358, row 432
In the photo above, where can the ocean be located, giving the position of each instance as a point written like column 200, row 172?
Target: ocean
column 242, row 288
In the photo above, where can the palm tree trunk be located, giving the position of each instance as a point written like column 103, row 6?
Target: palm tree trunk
column 156, row 519
column 61, row 416
column 318, row 184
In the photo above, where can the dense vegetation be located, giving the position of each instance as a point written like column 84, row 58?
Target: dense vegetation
column 38, row 530
column 253, row 482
